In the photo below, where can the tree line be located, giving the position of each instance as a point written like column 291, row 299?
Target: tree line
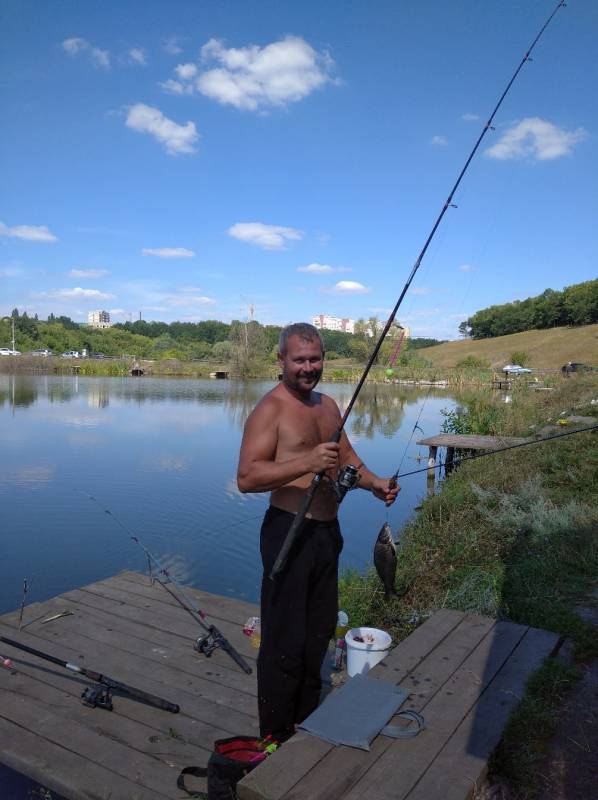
column 574, row 305
column 246, row 344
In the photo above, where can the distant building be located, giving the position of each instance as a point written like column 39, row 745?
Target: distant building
column 327, row 323
column 98, row 319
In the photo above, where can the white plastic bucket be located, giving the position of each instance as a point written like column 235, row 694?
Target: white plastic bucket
column 362, row 656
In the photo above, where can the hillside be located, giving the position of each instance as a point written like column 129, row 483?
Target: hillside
column 546, row 349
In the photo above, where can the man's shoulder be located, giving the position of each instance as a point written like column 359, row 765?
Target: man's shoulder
column 269, row 405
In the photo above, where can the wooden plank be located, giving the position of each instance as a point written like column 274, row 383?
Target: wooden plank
column 344, row 767
column 462, row 762
column 214, row 605
column 406, row 760
column 192, row 729
column 214, row 704
column 471, row 441
column 64, row 771
column 135, row 637
column 174, row 620
column 289, row 765
column 46, row 722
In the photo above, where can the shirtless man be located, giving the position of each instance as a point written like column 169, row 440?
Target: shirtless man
column 286, row 440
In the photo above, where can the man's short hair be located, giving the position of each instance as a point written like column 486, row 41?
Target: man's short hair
column 303, row 330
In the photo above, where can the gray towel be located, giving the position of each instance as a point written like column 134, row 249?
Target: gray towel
column 356, row 713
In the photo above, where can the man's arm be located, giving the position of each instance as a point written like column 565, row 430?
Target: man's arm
column 258, row 471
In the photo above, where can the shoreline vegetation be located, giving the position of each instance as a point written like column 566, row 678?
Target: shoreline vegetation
column 513, row 536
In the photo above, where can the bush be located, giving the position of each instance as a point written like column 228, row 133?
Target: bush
column 520, row 357
column 471, row 362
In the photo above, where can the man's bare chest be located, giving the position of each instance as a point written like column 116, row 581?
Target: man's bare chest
column 304, row 429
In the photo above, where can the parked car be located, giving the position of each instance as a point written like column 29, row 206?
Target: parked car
column 70, row 354
column 42, row 352
column 515, row 369
column 6, row 351
column 575, row 366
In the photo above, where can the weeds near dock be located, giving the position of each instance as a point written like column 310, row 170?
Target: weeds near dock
column 515, row 536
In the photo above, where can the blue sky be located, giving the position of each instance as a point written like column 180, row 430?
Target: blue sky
column 194, row 159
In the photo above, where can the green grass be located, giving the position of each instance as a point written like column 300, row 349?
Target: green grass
column 512, row 535
column 519, row 756
column 545, row 349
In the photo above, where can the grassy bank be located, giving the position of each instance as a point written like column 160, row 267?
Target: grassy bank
column 513, row 535
column 545, row 349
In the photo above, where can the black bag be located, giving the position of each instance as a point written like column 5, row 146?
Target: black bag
column 231, row 760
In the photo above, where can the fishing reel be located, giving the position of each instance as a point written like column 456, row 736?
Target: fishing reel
column 97, row 696
column 348, row 478
column 207, row 643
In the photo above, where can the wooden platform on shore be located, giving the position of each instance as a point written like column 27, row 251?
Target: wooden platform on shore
column 136, row 634
column 465, row 674
column 462, row 441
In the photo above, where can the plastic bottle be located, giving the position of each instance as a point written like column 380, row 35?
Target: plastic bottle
column 256, row 636
column 342, row 625
column 339, row 654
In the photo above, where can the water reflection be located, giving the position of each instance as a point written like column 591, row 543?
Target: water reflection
column 161, row 455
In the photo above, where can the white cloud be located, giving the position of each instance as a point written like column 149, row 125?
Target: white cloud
column 79, row 293
column 100, row 58
column 439, row 140
column 468, row 117
column 189, row 300
column 76, row 45
column 168, row 252
column 350, row 287
column 420, row 290
column 176, row 138
column 175, row 87
column 321, row 269
column 171, row 46
column 138, row 56
column 466, row 268
column 88, row 273
column 255, row 77
column 270, row 237
column 537, row 139
column 186, row 71
column 30, row 233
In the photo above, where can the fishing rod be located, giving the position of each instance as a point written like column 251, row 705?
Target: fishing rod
column 498, row 450
column 100, row 695
column 293, row 531
column 212, row 638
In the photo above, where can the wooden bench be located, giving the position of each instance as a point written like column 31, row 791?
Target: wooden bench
column 465, row 674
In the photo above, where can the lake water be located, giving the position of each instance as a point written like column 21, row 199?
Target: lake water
column 160, row 455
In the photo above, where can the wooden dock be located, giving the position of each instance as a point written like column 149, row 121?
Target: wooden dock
column 465, row 674
column 136, row 634
column 459, row 441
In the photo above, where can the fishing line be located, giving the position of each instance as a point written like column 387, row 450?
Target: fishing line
column 291, row 535
column 499, row 450
column 212, row 638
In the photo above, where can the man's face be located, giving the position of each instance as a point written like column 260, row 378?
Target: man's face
column 302, row 365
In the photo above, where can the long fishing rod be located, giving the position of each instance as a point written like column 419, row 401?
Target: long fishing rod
column 293, row 531
column 541, row 440
column 99, row 696
column 213, row 638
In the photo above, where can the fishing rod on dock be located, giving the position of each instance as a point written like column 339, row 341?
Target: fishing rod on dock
column 212, row 638
column 295, row 527
column 470, row 457
column 100, row 695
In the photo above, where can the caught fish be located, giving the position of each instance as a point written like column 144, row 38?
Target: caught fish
column 385, row 559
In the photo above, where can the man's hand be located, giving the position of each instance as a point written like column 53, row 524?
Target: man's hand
column 323, row 457
column 381, row 488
